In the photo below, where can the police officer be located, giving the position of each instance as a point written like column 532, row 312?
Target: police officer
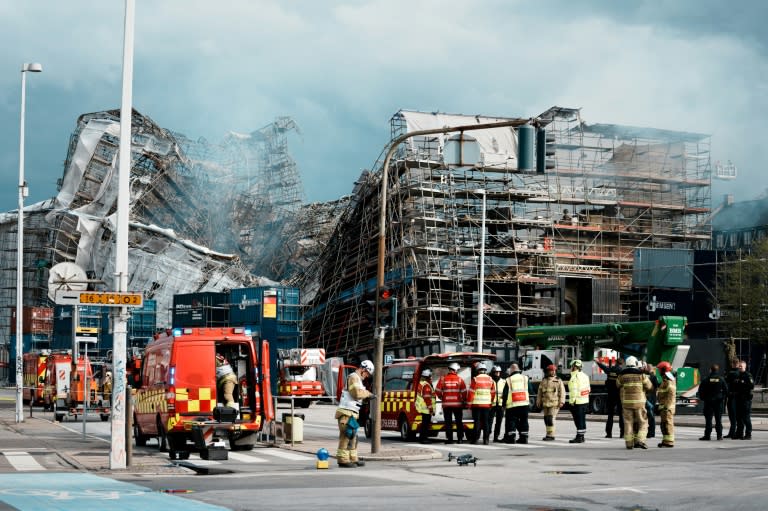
column 650, row 402
column 348, row 412
column 497, row 410
column 712, row 391
column 633, row 385
column 744, row 385
column 425, row 404
column 613, row 403
column 730, row 380
column 578, row 398
column 482, row 393
column 550, row 399
column 517, row 400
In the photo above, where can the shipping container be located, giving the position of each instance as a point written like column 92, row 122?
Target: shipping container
column 252, row 305
column 34, row 320
column 207, row 309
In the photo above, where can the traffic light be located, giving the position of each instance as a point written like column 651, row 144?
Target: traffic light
column 545, row 150
column 370, row 312
column 387, row 311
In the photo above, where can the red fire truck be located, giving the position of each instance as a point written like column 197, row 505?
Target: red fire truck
column 299, row 374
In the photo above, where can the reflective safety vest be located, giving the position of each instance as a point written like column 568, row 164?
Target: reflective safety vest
column 482, row 391
column 424, row 401
column 578, row 388
column 518, row 391
column 501, row 384
column 452, row 390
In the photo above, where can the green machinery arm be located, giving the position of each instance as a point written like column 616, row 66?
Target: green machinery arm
column 658, row 340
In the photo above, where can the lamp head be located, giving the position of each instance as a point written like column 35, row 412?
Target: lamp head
column 33, row 67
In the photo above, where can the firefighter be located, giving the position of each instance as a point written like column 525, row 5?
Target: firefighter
column 550, row 399
column 633, row 384
column 482, row 393
column 106, row 386
column 517, row 400
column 666, row 395
column 452, row 392
column 425, row 404
column 497, row 410
column 613, row 403
column 226, row 379
column 578, row 397
column 712, row 391
column 348, row 412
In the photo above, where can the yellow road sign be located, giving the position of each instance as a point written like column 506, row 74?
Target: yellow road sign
column 112, row 299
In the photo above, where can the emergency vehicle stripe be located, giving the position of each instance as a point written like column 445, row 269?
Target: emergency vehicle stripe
column 151, row 401
column 195, row 400
column 396, row 401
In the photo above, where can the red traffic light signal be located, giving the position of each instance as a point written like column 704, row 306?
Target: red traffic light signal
column 385, row 294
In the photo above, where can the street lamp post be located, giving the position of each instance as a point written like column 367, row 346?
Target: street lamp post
column 379, row 342
column 33, row 67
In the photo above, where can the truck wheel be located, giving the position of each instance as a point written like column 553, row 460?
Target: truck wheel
column 303, row 403
column 405, row 430
column 141, row 439
column 162, row 438
column 597, row 404
column 104, row 417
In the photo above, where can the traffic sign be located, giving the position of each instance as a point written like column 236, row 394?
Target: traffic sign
column 102, row 299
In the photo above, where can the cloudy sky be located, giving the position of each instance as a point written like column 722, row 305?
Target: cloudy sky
column 340, row 69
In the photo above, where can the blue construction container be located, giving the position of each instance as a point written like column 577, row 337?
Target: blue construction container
column 207, row 309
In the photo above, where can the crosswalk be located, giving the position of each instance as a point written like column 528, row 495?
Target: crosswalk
column 35, row 460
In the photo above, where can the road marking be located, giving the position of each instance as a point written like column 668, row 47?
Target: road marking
column 280, row 453
column 616, row 489
column 245, row 458
column 22, row 461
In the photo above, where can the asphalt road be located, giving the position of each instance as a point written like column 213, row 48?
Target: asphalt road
column 597, row 475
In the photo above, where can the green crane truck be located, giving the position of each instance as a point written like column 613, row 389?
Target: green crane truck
column 652, row 341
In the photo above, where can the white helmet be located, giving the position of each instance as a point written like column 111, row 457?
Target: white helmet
column 426, row 373
column 454, row 365
column 367, row 365
column 481, row 367
column 496, row 369
column 632, row 362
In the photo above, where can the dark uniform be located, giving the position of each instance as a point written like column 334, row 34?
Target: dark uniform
column 744, row 385
column 730, row 380
column 712, row 391
column 650, row 405
column 613, row 402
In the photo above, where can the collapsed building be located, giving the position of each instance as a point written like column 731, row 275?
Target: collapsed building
column 203, row 216
column 559, row 244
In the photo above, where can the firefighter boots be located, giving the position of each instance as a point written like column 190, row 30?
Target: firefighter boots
column 579, row 439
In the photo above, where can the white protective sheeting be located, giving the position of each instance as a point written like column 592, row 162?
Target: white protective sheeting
column 498, row 146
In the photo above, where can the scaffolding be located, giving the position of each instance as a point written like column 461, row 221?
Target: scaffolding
column 190, row 203
column 558, row 245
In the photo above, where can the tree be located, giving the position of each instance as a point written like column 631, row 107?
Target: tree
column 743, row 294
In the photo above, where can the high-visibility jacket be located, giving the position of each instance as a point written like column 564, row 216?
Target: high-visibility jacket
column 482, row 391
column 424, row 401
column 452, row 390
column 666, row 395
column 578, row 388
column 632, row 388
column 501, row 384
column 517, row 393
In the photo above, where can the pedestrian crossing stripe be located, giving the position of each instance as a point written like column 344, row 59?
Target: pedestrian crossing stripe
column 22, row 461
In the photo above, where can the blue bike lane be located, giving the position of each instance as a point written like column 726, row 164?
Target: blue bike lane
column 85, row 492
